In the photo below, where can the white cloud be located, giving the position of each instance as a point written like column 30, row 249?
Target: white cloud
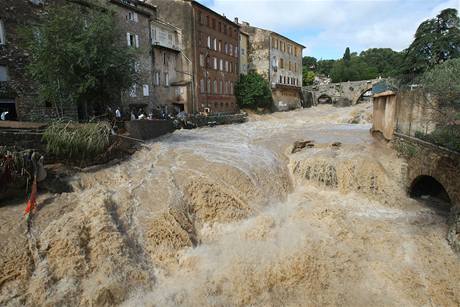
column 335, row 24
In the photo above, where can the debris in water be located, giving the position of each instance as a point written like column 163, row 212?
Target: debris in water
column 299, row 145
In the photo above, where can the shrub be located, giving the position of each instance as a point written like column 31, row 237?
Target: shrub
column 253, row 91
column 446, row 136
column 76, row 141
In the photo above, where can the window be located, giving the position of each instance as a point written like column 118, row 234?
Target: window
column 146, row 90
column 236, row 52
column 295, row 67
column 221, row 66
column 231, row 67
column 4, row 73
column 201, row 60
column 281, row 63
column 215, row 63
column 214, row 87
column 231, row 88
column 276, row 44
column 284, row 80
column 166, row 79
column 226, row 88
column 165, row 58
column 226, row 66
column 200, row 18
column 209, row 87
column 132, row 39
column 231, row 49
column 215, row 43
column 220, row 26
column 202, row 89
column 225, row 48
column 214, row 23
column 221, row 87
column 281, row 79
column 133, row 91
column 207, row 21
column 275, row 62
column 243, row 51
column 2, row 33
column 137, row 67
column 209, row 42
column 132, row 16
column 156, row 78
column 220, row 46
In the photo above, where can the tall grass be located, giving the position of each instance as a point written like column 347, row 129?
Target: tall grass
column 77, row 142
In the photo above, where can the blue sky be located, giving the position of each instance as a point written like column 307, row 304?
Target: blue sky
column 327, row 27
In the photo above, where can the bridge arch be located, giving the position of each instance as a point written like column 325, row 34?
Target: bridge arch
column 324, row 99
column 361, row 93
column 427, row 187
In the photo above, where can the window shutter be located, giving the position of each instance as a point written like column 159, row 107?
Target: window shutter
column 146, row 90
column 128, row 38
column 136, row 19
column 137, row 41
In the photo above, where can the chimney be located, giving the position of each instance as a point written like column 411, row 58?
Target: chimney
column 236, row 20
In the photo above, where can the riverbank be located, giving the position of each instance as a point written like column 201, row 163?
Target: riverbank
column 228, row 216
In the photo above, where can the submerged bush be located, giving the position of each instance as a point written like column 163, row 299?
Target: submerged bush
column 447, row 136
column 76, row 141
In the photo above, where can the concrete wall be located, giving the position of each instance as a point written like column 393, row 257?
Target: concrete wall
column 413, row 114
column 149, row 129
column 384, row 114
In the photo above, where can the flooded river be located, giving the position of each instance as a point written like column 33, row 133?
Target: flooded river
column 229, row 216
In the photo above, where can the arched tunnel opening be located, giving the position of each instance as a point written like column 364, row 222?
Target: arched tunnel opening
column 431, row 192
column 324, row 99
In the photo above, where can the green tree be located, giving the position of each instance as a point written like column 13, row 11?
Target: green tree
column 443, row 82
column 385, row 60
column 253, row 91
column 308, row 76
column 324, row 67
column 347, row 56
column 436, row 41
column 78, row 59
column 309, row 62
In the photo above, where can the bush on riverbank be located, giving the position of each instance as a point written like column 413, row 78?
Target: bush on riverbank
column 77, row 142
column 253, row 91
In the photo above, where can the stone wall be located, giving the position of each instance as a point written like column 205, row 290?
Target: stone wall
column 425, row 159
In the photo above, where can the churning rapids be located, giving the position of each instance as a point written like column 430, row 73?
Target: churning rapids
column 228, row 216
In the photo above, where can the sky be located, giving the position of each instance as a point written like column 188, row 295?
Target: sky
column 327, row 27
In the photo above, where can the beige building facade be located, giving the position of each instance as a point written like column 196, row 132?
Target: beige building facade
column 244, row 45
column 279, row 60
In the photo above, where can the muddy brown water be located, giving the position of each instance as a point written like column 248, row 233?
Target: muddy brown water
column 227, row 216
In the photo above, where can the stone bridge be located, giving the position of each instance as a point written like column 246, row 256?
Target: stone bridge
column 433, row 171
column 341, row 94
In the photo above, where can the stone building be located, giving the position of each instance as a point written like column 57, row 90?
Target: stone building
column 279, row 60
column 134, row 18
column 210, row 48
column 171, row 85
column 244, row 45
column 17, row 91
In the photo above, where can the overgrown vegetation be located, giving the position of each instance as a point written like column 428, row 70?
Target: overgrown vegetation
column 77, row 59
column 407, row 150
column 77, row 142
column 443, row 83
column 436, row 41
column 253, row 91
